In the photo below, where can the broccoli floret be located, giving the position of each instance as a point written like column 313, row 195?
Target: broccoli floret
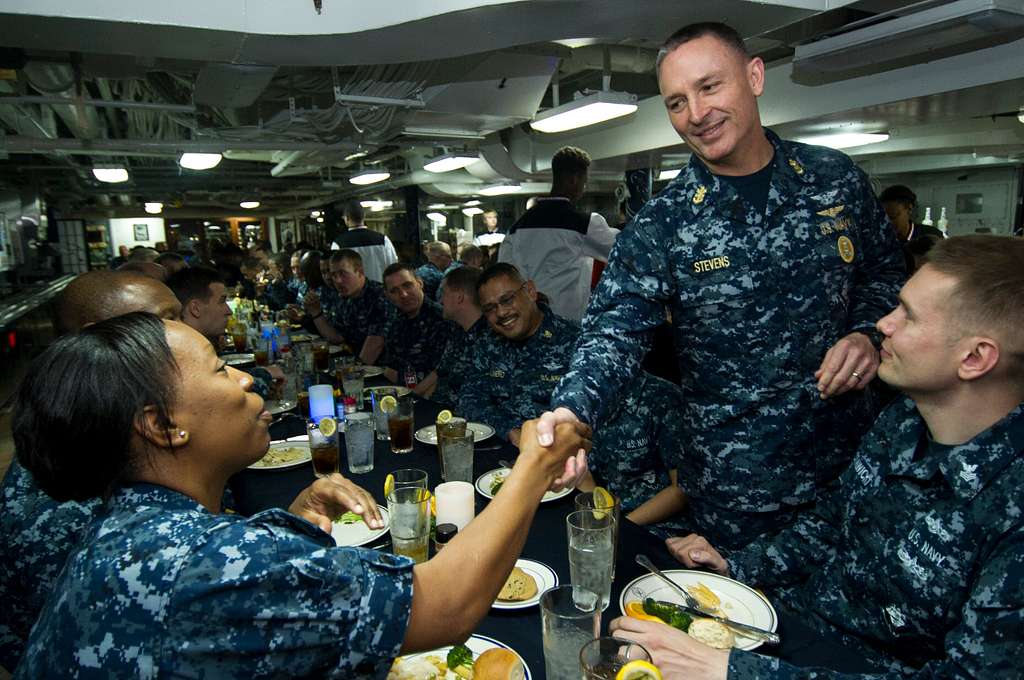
column 460, row 656
column 349, row 518
column 669, row 615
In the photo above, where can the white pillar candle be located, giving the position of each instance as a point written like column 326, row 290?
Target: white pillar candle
column 455, row 503
column 321, row 402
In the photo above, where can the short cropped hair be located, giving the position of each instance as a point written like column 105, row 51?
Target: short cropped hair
column 193, row 283
column 438, row 248
column 723, row 32
column 354, row 211
column 569, row 161
column 165, row 258
column 143, row 254
column 92, row 386
column 348, row 256
column 396, row 267
column 498, row 270
column 898, row 193
column 989, row 271
column 463, row 280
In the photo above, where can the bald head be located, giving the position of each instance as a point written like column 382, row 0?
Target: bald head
column 99, row 295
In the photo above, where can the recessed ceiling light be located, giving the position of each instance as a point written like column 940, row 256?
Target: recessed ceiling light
column 112, row 174
column 436, row 206
column 668, row 174
column 469, row 212
column 501, row 190
column 470, row 204
column 589, row 110
column 320, row 220
column 249, row 205
column 154, row 208
column 370, row 177
column 450, row 161
column 199, row 161
column 846, row 140
column 314, row 214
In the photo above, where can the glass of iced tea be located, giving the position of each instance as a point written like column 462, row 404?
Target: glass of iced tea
column 303, row 399
column 409, row 508
column 321, row 355
column 240, row 336
column 400, row 425
column 323, row 445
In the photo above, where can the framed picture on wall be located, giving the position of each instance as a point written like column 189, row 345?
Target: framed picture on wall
column 141, row 232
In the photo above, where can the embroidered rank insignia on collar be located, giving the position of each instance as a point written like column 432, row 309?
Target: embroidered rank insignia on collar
column 701, row 192
column 547, row 335
column 832, row 212
column 797, row 168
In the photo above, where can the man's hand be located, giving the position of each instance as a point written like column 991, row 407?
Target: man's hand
column 311, row 303
column 569, row 437
column 575, row 468
column 677, row 655
column 696, row 553
column 513, row 437
column 850, row 364
column 329, row 497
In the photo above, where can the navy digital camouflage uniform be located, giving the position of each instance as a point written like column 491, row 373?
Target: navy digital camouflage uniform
column 329, row 300
column 916, row 562
column 431, row 277
column 160, row 587
column 509, row 382
column 416, row 343
column 36, row 533
column 357, row 318
column 277, row 295
column 298, row 289
column 756, row 301
column 457, row 357
column 640, row 442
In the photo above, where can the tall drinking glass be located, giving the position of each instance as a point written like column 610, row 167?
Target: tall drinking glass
column 376, row 394
column 321, row 354
column 585, row 501
column 323, row 447
column 602, row 658
column 400, row 425
column 571, row 618
column 359, row 442
column 590, row 552
column 352, row 385
column 457, row 458
column 410, row 478
column 409, row 508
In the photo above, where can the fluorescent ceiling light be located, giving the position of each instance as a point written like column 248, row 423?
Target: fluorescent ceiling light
column 249, row 205
column 469, row 212
column 199, row 161
column 470, row 204
column 501, row 190
column 846, row 140
column 315, row 214
column 320, row 220
column 450, row 161
column 112, row 174
column 214, row 227
column 589, row 110
column 668, row 174
column 437, row 218
column 154, row 208
column 357, row 154
column 436, row 206
column 376, row 205
column 370, row 177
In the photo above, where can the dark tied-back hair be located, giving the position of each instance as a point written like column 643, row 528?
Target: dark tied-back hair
column 78, row 404
column 193, row 283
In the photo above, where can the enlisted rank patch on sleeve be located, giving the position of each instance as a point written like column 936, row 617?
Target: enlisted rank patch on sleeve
column 846, row 251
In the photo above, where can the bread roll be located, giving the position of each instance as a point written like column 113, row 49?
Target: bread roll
column 498, row 664
column 712, row 633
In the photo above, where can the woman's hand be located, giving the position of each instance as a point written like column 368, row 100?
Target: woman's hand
column 677, row 655
column 330, row 497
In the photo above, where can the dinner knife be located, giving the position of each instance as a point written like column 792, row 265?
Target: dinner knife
column 743, row 628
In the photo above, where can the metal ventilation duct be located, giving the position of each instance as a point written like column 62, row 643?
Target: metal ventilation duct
column 945, row 30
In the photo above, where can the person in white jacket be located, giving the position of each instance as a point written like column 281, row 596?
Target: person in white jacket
column 554, row 244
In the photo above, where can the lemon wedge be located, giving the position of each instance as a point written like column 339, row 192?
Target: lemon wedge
column 638, row 669
column 604, row 502
column 388, row 404
column 389, row 485
column 442, row 417
column 327, row 426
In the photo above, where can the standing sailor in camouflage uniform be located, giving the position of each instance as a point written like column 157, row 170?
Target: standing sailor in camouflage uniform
column 513, row 370
column 916, row 562
column 417, row 331
column 359, row 314
column 775, row 260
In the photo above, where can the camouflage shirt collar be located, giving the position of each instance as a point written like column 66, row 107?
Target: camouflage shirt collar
column 969, row 467
column 130, row 496
column 700, row 185
column 479, row 327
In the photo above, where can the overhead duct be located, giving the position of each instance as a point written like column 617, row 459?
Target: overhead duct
column 944, row 30
column 59, row 80
column 232, row 85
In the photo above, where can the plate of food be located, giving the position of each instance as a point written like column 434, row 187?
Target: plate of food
column 428, row 434
column 282, row 455
column 524, row 586
column 239, row 358
column 351, row 530
column 399, row 390
column 278, row 407
column 481, row 658
column 300, row 337
column 489, row 483
column 723, row 596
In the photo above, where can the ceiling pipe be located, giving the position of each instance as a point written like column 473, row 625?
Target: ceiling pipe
column 128, row 147
column 285, row 162
column 97, row 103
column 58, row 82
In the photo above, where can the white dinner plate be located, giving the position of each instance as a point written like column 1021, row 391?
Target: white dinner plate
column 239, row 359
column 278, row 407
column 336, row 349
column 399, row 390
column 275, row 460
column 300, row 337
column 740, row 602
column 428, row 434
column 483, row 486
column 478, row 644
column 542, row 574
column 358, row 533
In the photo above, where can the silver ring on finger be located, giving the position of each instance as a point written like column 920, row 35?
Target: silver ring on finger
column 856, row 375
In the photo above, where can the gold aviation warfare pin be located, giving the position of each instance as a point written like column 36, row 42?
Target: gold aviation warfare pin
column 846, row 251
column 833, row 211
